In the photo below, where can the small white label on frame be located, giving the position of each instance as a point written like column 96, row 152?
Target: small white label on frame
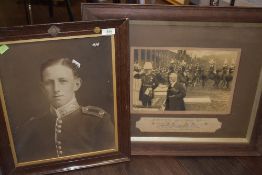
column 109, row 31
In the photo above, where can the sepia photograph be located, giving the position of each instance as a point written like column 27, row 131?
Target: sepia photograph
column 183, row 80
column 59, row 97
column 201, row 110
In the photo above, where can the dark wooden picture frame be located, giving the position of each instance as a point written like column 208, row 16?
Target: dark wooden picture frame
column 55, row 45
column 148, row 18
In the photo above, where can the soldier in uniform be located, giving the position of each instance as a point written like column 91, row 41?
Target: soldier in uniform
column 149, row 83
column 67, row 128
column 225, row 68
column 224, row 74
column 198, row 73
column 229, row 76
column 231, row 68
column 212, row 69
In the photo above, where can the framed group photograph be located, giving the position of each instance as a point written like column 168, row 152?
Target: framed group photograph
column 195, row 78
column 64, row 96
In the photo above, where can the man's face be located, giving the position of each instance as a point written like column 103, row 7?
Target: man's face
column 59, row 84
column 172, row 78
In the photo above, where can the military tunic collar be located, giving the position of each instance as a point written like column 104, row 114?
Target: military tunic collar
column 65, row 110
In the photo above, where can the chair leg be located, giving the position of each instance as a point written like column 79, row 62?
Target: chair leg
column 51, row 8
column 28, row 11
column 68, row 6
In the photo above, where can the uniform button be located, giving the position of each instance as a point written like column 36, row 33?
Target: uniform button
column 59, row 121
column 59, row 147
column 60, row 152
column 58, row 131
column 59, row 143
column 59, row 126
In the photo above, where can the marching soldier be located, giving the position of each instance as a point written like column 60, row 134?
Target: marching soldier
column 198, row 70
column 211, row 66
column 232, row 68
column 212, row 69
column 225, row 69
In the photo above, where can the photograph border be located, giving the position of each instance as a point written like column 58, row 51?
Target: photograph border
column 249, row 146
column 2, row 98
column 119, row 56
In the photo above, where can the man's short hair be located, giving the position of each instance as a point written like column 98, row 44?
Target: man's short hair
column 62, row 61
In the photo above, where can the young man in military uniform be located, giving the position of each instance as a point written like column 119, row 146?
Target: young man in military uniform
column 67, row 128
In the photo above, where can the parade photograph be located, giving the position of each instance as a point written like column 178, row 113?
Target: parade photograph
column 183, row 80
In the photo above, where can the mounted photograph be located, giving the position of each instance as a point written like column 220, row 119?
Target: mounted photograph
column 195, row 78
column 58, row 92
column 189, row 80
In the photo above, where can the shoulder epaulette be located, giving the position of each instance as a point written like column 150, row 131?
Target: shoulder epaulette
column 94, row 110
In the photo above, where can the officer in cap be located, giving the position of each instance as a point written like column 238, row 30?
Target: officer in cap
column 67, row 128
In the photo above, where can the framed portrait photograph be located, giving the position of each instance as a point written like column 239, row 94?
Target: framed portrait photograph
column 64, row 96
column 195, row 78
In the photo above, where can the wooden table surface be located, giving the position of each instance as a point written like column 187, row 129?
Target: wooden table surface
column 160, row 165
column 169, row 165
